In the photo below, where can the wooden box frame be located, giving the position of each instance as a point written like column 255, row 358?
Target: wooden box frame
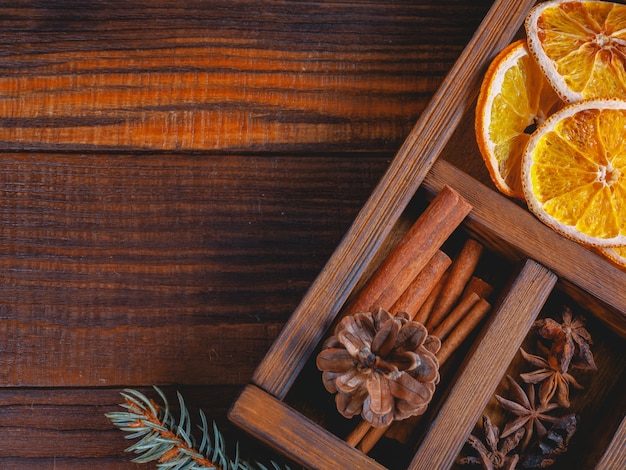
column 544, row 257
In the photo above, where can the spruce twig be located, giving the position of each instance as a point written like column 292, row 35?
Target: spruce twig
column 169, row 442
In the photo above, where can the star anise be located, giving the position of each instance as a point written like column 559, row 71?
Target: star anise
column 570, row 341
column 546, row 450
column 381, row 366
column 529, row 414
column 492, row 455
column 551, row 380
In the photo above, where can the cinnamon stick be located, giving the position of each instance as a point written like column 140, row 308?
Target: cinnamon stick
column 371, row 438
column 463, row 329
column 411, row 255
column 442, row 216
column 403, row 281
column 358, row 433
column 481, row 287
column 420, row 288
column 424, row 312
column 461, row 271
column 455, row 317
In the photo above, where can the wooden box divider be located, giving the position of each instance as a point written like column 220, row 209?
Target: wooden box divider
column 302, row 440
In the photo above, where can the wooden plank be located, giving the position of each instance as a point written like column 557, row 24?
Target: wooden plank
column 61, row 463
column 39, row 424
column 191, row 265
column 262, row 415
column 67, row 428
column 236, row 76
column 519, row 234
column 481, row 373
column 41, row 353
column 387, row 202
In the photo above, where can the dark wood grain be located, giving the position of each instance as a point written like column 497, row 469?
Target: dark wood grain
column 66, row 428
column 174, row 176
column 238, row 76
column 39, row 425
column 188, row 264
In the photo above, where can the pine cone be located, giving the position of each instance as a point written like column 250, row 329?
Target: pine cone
column 381, row 366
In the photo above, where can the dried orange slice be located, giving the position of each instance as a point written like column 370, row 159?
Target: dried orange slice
column 574, row 172
column 514, row 98
column 616, row 254
column 581, row 47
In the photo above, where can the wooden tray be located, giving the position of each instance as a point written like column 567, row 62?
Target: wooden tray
column 540, row 266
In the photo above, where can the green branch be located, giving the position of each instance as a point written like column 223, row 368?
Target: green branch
column 169, row 442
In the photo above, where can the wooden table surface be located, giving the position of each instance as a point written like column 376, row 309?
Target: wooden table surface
column 174, row 176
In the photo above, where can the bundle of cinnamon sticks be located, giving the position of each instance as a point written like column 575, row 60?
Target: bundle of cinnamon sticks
column 420, row 279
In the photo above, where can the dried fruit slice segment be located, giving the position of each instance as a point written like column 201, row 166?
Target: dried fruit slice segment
column 616, row 254
column 574, row 172
column 581, row 47
column 514, row 98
